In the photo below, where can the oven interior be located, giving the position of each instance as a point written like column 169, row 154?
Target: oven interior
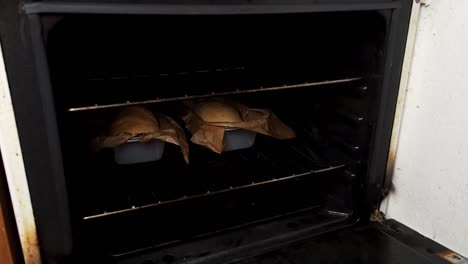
column 320, row 73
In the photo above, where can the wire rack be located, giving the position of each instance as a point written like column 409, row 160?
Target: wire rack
column 134, row 187
column 138, row 89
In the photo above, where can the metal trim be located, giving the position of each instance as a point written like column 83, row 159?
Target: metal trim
column 16, row 173
column 58, row 215
column 195, row 9
column 395, row 49
column 405, row 74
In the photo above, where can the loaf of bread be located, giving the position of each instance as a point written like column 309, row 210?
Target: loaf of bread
column 217, row 112
column 134, row 120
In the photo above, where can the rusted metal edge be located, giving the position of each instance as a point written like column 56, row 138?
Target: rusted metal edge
column 133, row 208
column 178, row 98
column 16, row 174
column 405, row 74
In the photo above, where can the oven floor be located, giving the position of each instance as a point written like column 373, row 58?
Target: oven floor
column 373, row 243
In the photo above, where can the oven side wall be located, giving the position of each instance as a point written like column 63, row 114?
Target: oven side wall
column 430, row 173
column 32, row 162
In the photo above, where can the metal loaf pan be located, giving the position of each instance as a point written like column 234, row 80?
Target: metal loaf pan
column 236, row 138
column 134, row 151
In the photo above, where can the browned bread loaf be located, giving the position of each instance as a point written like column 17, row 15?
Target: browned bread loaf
column 134, row 120
column 213, row 112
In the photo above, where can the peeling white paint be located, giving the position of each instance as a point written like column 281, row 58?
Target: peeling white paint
column 431, row 179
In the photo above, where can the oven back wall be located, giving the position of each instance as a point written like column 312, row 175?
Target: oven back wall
column 431, row 170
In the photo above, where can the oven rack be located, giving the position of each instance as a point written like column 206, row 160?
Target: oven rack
column 231, row 188
column 209, row 176
column 107, row 92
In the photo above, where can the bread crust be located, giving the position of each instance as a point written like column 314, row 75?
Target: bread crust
column 217, row 112
column 134, row 120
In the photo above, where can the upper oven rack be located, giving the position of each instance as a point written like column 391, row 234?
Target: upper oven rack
column 183, row 85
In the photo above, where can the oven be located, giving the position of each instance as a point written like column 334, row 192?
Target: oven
column 281, row 62
column 330, row 70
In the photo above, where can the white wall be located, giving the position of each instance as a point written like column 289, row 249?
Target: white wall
column 431, row 170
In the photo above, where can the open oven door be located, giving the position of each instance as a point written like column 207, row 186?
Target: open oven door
column 391, row 242
column 387, row 241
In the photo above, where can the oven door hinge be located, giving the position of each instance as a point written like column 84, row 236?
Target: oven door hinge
column 379, row 217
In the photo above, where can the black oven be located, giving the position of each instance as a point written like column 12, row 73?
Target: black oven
column 329, row 69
